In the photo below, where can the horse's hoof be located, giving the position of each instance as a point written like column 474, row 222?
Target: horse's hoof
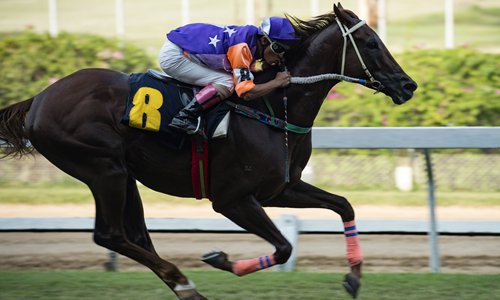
column 195, row 297
column 351, row 284
column 217, row 259
column 188, row 292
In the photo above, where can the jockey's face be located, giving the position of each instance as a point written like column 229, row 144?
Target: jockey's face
column 269, row 56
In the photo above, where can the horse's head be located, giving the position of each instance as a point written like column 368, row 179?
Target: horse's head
column 389, row 77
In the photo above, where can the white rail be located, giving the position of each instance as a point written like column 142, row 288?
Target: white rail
column 224, row 225
column 406, row 137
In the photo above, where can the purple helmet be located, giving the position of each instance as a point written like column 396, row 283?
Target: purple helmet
column 279, row 29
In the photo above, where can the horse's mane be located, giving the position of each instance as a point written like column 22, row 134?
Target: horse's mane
column 304, row 29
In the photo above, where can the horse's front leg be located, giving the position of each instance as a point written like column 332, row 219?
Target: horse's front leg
column 249, row 215
column 304, row 195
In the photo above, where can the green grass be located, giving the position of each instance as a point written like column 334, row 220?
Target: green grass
column 265, row 285
column 80, row 194
column 72, row 194
column 420, row 198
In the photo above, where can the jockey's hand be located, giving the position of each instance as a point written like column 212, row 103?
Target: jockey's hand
column 283, row 78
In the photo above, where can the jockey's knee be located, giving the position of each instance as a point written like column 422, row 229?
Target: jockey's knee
column 224, row 89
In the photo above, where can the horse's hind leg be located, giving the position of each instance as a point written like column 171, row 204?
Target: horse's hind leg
column 119, row 222
column 304, row 195
column 133, row 214
column 249, row 215
column 116, row 221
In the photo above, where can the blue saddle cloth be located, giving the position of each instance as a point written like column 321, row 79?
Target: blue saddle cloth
column 154, row 100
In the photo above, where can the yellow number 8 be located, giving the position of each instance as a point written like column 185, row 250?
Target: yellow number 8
column 145, row 113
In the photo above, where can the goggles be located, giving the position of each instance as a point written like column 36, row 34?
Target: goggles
column 276, row 47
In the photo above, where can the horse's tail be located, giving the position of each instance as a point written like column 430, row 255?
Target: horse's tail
column 12, row 134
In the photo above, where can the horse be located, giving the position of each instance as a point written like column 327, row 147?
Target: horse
column 75, row 124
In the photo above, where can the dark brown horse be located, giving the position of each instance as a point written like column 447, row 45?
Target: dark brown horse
column 75, row 123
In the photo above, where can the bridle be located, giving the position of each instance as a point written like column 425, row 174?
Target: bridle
column 347, row 32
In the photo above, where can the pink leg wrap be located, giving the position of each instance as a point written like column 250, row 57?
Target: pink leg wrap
column 354, row 255
column 244, row 267
column 207, row 97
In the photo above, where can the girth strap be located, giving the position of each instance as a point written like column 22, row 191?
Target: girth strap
column 199, row 166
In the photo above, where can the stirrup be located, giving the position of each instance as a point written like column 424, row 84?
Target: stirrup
column 198, row 125
column 182, row 127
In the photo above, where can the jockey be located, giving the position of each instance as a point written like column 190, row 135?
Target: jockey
column 222, row 59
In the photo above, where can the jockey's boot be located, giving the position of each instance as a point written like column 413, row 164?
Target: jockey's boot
column 188, row 119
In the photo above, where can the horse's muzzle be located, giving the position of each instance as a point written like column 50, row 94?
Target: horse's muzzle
column 404, row 92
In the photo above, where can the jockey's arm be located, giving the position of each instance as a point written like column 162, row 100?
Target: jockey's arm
column 241, row 59
column 282, row 79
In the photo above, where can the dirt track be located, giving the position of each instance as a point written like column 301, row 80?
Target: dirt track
column 388, row 253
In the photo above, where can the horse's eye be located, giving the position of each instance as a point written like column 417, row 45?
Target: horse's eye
column 372, row 44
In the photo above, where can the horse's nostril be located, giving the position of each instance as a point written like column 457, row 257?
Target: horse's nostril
column 411, row 86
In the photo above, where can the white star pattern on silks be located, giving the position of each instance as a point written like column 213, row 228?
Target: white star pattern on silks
column 229, row 31
column 214, row 41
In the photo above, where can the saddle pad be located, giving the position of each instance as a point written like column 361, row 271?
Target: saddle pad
column 154, row 101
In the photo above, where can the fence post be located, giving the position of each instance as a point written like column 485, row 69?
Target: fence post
column 449, row 24
column 250, row 13
column 289, row 227
column 185, row 12
column 120, row 18
column 382, row 20
column 112, row 264
column 53, row 19
column 434, row 261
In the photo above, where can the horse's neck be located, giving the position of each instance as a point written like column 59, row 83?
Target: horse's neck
column 323, row 56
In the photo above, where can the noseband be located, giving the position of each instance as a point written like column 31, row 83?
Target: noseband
column 347, row 32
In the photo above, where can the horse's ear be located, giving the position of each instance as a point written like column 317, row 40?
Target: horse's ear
column 337, row 5
column 344, row 17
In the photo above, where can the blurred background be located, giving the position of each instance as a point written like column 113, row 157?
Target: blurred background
column 450, row 47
